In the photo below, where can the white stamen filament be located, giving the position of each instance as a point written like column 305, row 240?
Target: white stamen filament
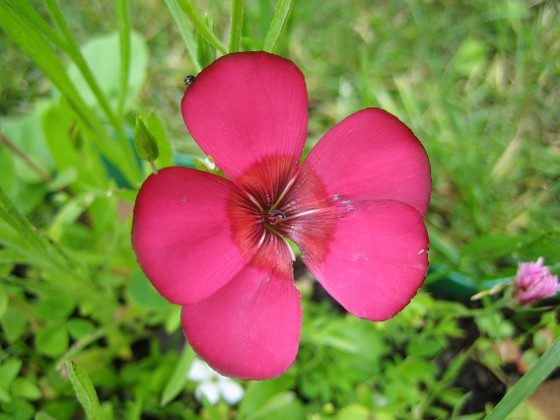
column 254, row 201
column 303, row 213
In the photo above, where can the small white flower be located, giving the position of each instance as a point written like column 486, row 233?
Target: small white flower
column 213, row 385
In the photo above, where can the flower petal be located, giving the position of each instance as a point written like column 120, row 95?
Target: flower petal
column 250, row 328
column 210, row 390
column 181, row 234
column 200, row 371
column 371, row 155
column 245, row 107
column 231, row 391
column 376, row 259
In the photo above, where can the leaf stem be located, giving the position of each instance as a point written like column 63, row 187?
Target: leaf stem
column 45, row 177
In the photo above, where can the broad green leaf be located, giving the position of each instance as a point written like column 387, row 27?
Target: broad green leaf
column 259, row 392
column 18, row 408
column 142, row 292
column 54, row 308
column 26, row 388
column 177, row 381
column 102, row 50
column 281, row 15
column 26, row 135
column 79, row 328
column 353, row 412
column 9, row 370
column 85, row 392
column 14, row 323
column 281, row 406
column 57, row 123
column 52, row 340
column 3, row 300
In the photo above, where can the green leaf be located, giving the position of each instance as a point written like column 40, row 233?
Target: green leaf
column 281, row 15
column 353, row 412
column 141, row 292
column 25, row 133
column 54, row 308
column 85, row 392
column 26, row 388
column 80, row 328
column 9, row 370
column 52, row 340
column 57, row 123
column 258, row 393
column 157, row 127
column 102, row 50
column 145, row 142
column 14, row 323
column 177, row 381
column 236, row 29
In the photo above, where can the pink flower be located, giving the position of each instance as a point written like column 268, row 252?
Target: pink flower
column 534, row 282
column 216, row 246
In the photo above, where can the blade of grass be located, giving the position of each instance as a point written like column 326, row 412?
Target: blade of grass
column 123, row 20
column 237, row 7
column 29, row 13
column 281, row 15
column 198, row 22
column 528, row 383
column 184, row 31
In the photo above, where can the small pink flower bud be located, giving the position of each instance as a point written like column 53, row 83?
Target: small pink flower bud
column 534, row 282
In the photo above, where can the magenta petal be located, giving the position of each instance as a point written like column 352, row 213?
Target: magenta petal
column 371, row 155
column 246, row 107
column 376, row 259
column 181, row 234
column 249, row 329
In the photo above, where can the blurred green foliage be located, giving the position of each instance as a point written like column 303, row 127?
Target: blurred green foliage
column 476, row 80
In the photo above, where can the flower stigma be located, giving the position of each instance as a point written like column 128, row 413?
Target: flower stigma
column 275, row 217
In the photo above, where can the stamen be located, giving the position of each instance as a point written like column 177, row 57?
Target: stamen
column 303, row 213
column 283, row 193
column 275, row 217
column 254, row 201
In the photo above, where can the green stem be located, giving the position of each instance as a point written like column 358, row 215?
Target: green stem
column 198, row 22
column 45, row 177
column 185, row 32
column 123, row 20
column 281, row 15
column 236, row 30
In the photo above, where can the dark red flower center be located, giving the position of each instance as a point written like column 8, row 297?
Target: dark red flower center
column 276, row 200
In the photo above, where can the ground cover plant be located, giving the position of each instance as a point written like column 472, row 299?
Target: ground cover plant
column 90, row 107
